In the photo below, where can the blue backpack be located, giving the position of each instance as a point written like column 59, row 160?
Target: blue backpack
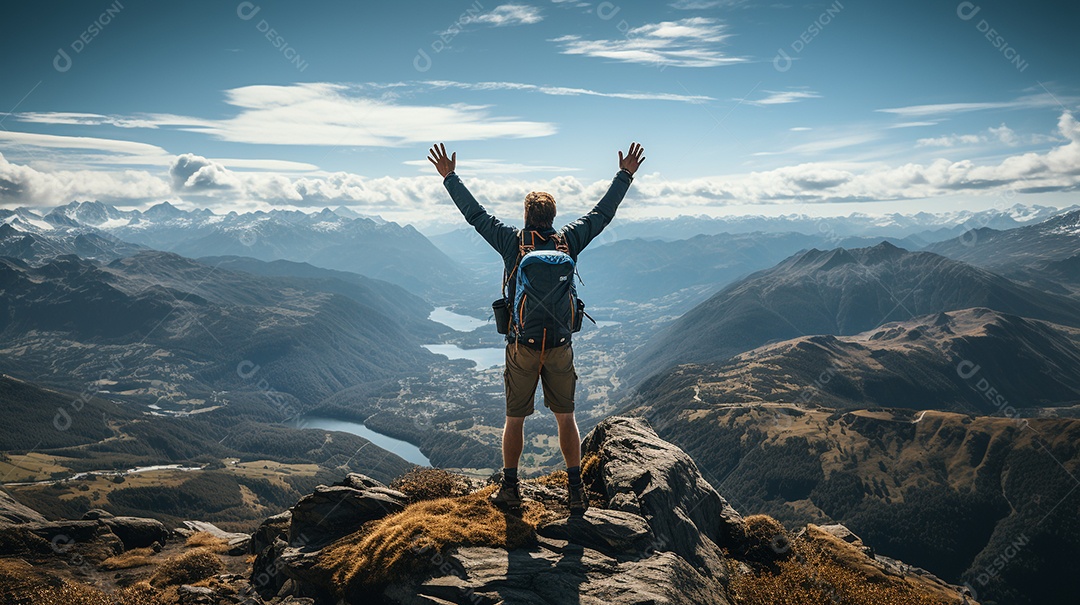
column 545, row 310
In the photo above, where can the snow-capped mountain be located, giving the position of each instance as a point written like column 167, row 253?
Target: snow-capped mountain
column 330, row 239
column 922, row 227
column 36, row 239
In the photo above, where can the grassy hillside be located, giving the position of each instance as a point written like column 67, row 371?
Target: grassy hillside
column 948, row 492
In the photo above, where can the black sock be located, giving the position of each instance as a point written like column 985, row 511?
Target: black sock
column 510, row 475
column 573, row 475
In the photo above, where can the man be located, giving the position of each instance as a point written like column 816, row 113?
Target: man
column 526, row 363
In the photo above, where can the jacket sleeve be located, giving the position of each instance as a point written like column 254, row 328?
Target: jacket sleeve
column 582, row 231
column 501, row 237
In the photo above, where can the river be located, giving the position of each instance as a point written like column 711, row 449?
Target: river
column 406, row 450
column 483, row 357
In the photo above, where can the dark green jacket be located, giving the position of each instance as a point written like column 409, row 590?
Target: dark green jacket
column 504, row 238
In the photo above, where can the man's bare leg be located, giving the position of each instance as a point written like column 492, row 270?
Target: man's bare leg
column 569, row 439
column 514, row 440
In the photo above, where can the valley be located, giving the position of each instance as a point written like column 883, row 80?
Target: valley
column 921, row 398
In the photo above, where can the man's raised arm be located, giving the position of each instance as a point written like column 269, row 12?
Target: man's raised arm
column 582, row 231
column 500, row 236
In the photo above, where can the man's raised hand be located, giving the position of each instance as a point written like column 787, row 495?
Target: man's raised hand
column 633, row 158
column 443, row 163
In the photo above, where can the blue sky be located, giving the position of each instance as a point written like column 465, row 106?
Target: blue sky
column 820, row 108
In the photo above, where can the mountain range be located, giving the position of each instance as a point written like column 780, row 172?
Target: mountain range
column 374, row 248
column 838, row 292
column 1045, row 255
column 171, row 331
column 974, row 361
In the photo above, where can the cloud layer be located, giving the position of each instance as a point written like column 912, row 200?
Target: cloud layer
column 210, row 183
column 691, row 42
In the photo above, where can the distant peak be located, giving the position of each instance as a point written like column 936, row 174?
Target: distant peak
column 882, row 252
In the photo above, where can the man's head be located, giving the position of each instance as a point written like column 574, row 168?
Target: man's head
column 539, row 209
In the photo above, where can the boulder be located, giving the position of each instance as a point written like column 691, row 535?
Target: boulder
column 202, row 526
column 14, row 512
column 359, row 481
column 618, row 534
column 195, row 595
column 642, row 474
column 96, row 513
column 333, row 512
column 558, row 573
column 92, row 540
column 271, row 529
column 137, row 532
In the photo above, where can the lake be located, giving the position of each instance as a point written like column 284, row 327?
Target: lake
column 485, row 357
column 406, row 450
column 456, row 321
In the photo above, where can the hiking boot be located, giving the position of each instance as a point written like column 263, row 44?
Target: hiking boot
column 578, row 501
column 508, row 496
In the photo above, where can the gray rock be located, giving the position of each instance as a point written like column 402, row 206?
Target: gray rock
column 647, row 476
column 618, row 534
column 559, row 574
column 240, row 545
column 270, row 530
column 137, row 532
column 14, row 512
column 96, row 513
column 359, row 481
column 90, row 539
column 337, row 511
column 213, row 530
column 842, row 532
column 195, row 595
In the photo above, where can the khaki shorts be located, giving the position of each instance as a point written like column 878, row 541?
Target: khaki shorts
column 523, row 370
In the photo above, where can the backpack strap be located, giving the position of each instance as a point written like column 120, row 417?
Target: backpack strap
column 560, row 243
column 524, row 249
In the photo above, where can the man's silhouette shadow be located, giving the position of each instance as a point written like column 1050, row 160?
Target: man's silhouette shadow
column 532, row 579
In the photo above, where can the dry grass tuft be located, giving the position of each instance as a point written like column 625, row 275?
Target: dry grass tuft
column 21, row 584
column 766, row 540
column 421, row 484
column 203, row 539
column 187, row 568
column 820, row 572
column 136, row 557
column 408, row 541
column 554, row 479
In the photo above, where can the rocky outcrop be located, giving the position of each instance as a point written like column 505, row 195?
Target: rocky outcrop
column 640, row 473
column 657, row 532
column 288, row 545
column 338, row 510
column 137, row 532
column 12, row 512
column 91, row 540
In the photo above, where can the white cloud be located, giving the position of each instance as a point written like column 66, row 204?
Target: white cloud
column 702, row 4
column 563, row 91
column 822, row 144
column 1000, row 134
column 23, row 185
column 800, row 128
column 54, row 141
column 85, row 119
column 506, row 15
column 782, row 97
column 191, row 173
column 1040, row 101
column 192, row 177
column 337, row 116
column 691, row 42
column 911, row 124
